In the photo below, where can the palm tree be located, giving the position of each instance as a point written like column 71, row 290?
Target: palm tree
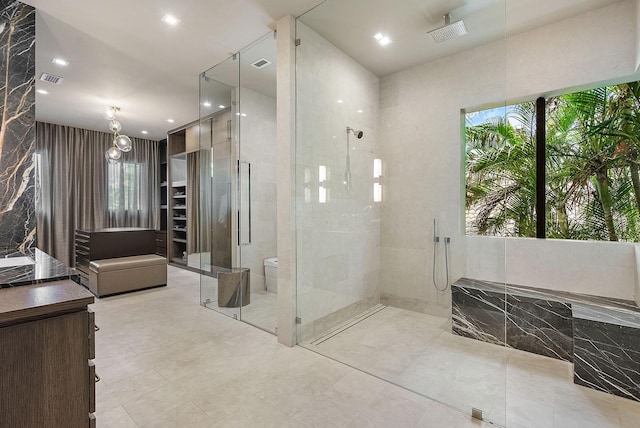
column 592, row 183
column 501, row 173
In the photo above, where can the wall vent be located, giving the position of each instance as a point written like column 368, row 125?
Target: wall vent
column 51, row 78
column 260, row 63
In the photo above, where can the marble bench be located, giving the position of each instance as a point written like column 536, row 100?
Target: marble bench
column 600, row 336
column 124, row 274
column 606, row 348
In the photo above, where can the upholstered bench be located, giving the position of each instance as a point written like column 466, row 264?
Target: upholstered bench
column 123, row 274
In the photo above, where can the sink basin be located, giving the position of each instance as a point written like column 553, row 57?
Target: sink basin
column 16, row 261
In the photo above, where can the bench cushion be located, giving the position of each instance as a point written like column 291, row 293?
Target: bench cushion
column 123, row 274
column 130, row 262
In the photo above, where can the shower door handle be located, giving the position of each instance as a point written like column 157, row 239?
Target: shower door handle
column 244, row 202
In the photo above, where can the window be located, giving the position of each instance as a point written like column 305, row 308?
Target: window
column 123, row 186
column 591, row 184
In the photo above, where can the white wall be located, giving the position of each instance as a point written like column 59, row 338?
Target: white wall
column 337, row 241
column 637, row 35
column 636, row 295
column 286, row 78
column 596, row 46
column 596, row 268
column 258, row 146
column 421, row 142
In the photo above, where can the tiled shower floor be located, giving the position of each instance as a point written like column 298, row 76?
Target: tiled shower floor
column 511, row 387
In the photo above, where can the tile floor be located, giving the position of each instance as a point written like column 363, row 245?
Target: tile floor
column 512, row 387
column 166, row 361
column 261, row 312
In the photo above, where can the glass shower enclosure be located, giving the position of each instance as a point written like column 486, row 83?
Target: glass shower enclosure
column 382, row 255
column 238, row 168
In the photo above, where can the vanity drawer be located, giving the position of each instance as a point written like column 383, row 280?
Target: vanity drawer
column 92, row 333
column 93, row 378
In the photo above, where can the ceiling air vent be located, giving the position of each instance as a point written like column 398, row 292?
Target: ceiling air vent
column 261, row 63
column 51, row 78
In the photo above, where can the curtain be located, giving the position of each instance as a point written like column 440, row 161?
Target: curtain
column 78, row 190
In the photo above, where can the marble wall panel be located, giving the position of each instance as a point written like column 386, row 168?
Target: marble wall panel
column 17, row 127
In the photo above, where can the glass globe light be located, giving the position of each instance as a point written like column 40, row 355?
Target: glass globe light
column 114, row 126
column 111, row 112
column 123, row 143
column 113, row 154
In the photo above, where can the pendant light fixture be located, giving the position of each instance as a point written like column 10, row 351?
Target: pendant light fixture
column 121, row 143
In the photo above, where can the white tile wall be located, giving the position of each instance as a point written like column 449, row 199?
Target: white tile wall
column 338, row 240
column 421, row 146
column 258, row 146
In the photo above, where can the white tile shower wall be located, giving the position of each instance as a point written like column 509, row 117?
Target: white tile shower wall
column 258, row 146
column 420, row 132
column 596, row 46
column 338, row 228
column 421, row 143
column 287, row 292
column 597, row 268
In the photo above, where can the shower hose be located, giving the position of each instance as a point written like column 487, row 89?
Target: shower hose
column 447, row 240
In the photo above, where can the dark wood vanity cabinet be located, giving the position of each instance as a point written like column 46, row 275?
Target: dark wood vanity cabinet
column 46, row 347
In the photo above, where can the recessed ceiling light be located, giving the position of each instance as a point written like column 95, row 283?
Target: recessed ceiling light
column 61, row 62
column 170, row 120
column 206, row 104
column 359, row 111
column 145, row 132
column 340, row 101
column 220, row 106
column 243, row 114
column 42, row 91
column 382, row 39
column 170, row 19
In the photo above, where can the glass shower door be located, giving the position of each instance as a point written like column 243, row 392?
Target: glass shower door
column 380, row 155
column 256, row 169
column 219, row 280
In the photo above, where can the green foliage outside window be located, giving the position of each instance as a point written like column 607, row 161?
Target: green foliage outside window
column 592, row 181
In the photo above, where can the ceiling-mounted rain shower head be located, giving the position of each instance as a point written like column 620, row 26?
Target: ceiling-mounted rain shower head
column 449, row 30
column 358, row 134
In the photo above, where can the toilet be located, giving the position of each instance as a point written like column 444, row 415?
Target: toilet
column 271, row 274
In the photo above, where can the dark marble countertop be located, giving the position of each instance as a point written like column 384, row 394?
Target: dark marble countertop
column 604, row 304
column 33, row 267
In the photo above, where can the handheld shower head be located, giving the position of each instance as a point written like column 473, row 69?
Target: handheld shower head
column 358, row 134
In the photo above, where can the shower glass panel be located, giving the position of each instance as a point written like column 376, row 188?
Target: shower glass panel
column 238, row 185
column 387, row 279
column 257, row 180
column 220, row 280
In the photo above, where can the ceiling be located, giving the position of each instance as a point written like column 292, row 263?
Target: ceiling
column 121, row 54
